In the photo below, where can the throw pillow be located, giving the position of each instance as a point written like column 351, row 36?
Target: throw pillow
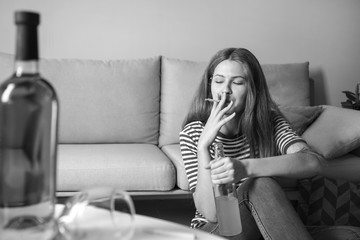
column 300, row 117
column 335, row 132
column 329, row 202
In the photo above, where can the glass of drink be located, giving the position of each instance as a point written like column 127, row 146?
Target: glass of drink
column 98, row 213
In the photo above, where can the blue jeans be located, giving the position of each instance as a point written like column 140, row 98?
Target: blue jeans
column 266, row 213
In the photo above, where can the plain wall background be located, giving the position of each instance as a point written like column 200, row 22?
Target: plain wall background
column 324, row 32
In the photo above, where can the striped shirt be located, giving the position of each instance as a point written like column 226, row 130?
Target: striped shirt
column 236, row 148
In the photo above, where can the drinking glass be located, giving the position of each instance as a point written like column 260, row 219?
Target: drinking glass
column 98, row 213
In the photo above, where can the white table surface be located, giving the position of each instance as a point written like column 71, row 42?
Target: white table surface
column 149, row 228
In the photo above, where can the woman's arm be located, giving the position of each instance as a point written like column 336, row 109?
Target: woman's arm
column 298, row 162
column 203, row 195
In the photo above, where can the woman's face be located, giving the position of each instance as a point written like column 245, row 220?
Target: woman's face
column 230, row 80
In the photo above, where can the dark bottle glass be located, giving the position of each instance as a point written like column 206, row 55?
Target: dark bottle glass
column 28, row 142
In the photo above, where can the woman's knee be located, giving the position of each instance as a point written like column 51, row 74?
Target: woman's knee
column 266, row 187
column 265, row 183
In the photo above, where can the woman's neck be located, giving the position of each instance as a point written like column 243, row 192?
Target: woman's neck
column 231, row 129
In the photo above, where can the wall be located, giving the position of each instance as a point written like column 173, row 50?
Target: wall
column 324, row 32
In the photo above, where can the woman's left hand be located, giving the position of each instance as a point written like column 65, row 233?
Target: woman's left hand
column 227, row 170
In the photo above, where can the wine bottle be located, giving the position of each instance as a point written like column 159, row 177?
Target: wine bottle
column 28, row 141
column 226, row 201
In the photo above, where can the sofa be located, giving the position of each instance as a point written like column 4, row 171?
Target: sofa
column 120, row 121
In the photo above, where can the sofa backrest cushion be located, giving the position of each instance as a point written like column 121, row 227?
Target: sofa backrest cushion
column 289, row 85
column 114, row 101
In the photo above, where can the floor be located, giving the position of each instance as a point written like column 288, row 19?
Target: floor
column 176, row 210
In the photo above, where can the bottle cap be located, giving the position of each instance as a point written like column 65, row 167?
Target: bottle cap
column 27, row 39
column 28, row 18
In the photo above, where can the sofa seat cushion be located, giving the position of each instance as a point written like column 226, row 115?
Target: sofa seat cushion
column 173, row 152
column 124, row 166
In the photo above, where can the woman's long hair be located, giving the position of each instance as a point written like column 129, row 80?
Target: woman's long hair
column 256, row 123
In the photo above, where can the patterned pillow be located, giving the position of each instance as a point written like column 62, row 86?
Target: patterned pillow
column 329, row 202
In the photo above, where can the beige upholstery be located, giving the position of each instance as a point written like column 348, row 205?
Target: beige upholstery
column 179, row 81
column 125, row 166
column 173, row 152
column 122, row 99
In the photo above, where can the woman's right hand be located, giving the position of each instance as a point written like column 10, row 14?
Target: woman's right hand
column 215, row 121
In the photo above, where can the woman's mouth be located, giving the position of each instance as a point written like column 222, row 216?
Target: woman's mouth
column 227, row 101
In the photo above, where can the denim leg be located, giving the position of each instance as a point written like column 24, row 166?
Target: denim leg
column 273, row 212
column 250, row 231
column 265, row 210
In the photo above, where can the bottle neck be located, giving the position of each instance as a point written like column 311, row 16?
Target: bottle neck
column 26, row 57
column 23, row 67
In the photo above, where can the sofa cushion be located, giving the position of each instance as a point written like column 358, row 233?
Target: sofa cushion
column 115, row 101
column 301, row 117
column 179, row 81
column 6, row 66
column 173, row 152
column 124, row 166
column 289, row 85
column 335, row 132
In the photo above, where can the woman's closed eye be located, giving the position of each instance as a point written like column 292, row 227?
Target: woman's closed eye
column 238, row 81
column 218, row 79
column 234, row 80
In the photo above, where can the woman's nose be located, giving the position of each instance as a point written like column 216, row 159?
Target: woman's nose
column 226, row 89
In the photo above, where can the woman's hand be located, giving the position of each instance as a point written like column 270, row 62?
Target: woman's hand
column 215, row 121
column 227, row 170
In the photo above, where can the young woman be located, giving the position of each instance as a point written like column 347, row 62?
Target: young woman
column 259, row 144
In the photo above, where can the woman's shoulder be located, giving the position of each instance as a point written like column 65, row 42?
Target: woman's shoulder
column 193, row 126
column 277, row 116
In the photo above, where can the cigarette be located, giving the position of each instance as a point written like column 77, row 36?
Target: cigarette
column 211, row 100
